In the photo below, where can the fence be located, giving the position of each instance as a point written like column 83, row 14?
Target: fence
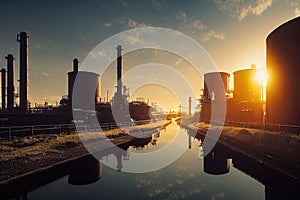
column 10, row 131
column 270, row 127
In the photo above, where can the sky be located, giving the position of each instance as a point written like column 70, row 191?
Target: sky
column 233, row 32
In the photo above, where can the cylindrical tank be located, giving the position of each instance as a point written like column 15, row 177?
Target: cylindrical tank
column 23, row 39
column 89, row 76
column 283, row 66
column 3, row 87
column 216, row 85
column 10, row 81
column 246, row 88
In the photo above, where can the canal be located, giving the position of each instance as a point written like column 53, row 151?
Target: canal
column 222, row 174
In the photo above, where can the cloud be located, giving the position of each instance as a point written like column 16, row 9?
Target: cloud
column 243, row 8
column 98, row 54
column 158, row 4
column 133, row 24
column 45, row 74
column 107, row 24
column 297, row 12
column 181, row 15
column 194, row 28
column 178, row 62
column 212, row 35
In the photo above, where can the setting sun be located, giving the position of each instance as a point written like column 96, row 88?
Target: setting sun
column 261, row 76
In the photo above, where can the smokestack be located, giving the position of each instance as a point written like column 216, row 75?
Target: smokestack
column 3, row 84
column 75, row 65
column 10, row 81
column 23, row 39
column 119, row 69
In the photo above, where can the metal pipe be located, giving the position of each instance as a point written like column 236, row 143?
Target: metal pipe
column 23, row 39
column 3, row 85
column 10, row 81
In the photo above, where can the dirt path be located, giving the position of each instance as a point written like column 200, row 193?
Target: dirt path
column 25, row 154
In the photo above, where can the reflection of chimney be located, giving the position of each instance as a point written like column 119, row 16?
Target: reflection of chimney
column 10, row 81
column 23, row 39
column 3, row 84
column 190, row 106
column 119, row 69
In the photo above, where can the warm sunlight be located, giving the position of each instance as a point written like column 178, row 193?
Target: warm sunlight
column 261, row 76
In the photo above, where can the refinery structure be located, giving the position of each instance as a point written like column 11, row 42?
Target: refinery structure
column 250, row 101
column 21, row 112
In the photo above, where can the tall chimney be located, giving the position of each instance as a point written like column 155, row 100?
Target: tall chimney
column 75, row 65
column 23, row 39
column 119, row 69
column 3, row 84
column 10, row 81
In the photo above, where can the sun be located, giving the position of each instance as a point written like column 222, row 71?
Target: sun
column 261, row 76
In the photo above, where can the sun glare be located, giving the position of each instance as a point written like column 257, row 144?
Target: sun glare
column 261, row 77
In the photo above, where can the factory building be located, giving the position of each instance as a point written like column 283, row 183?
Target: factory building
column 283, row 66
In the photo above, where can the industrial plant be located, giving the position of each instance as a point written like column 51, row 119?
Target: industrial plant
column 246, row 103
column 21, row 113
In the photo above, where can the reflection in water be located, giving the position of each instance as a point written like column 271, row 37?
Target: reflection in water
column 88, row 171
column 215, row 162
column 182, row 179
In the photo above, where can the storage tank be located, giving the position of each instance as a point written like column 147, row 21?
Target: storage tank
column 90, row 78
column 246, row 88
column 216, row 85
column 283, row 66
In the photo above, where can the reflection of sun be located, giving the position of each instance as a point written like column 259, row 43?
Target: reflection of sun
column 261, row 77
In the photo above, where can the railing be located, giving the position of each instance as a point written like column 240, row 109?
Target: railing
column 268, row 126
column 30, row 130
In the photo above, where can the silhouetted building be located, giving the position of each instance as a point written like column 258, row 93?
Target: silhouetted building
column 10, row 81
column 23, row 39
column 283, row 66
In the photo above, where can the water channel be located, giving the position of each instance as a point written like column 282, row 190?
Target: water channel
column 222, row 174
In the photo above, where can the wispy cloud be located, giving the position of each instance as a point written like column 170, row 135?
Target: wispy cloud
column 178, row 62
column 194, row 28
column 193, row 25
column 243, row 8
column 212, row 35
column 107, row 24
column 297, row 12
column 45, row 74
column 158, row 4
column 134, row 24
